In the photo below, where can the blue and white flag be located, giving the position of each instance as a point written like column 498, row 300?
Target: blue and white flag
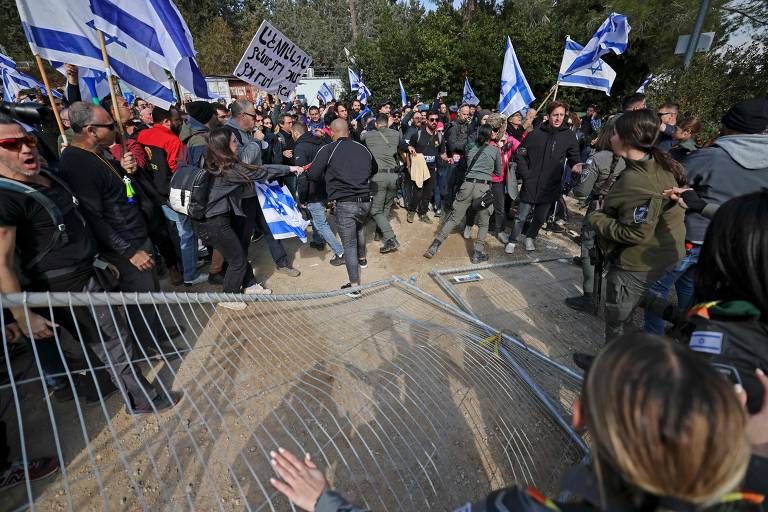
column 14, row 81
column 600, row 76
column 356, row 85
column 280, row 211
column 93, row 83
column 155, row 28
column 515, row 91
column 613, row 35
column 645, row 83
column 65, row 32
column 469, row 95
column 366, row 111
column 325, row 93
column 403, row 96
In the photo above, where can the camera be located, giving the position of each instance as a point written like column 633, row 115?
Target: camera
column 29, row 113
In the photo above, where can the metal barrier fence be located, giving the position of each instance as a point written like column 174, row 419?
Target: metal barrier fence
column 407, row 402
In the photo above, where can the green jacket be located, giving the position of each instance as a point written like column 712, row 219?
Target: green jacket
column 639, row 229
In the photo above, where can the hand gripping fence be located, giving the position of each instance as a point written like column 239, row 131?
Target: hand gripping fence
column 395, row 394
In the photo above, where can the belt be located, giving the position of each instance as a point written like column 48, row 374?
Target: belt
column 477, row 180
column 393, row 170
column 366, row 199
column 61, row 272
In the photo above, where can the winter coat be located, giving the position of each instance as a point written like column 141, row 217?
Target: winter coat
column 540, row 161
column 304, row 152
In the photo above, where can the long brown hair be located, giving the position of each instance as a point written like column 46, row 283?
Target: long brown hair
column 220, row 159
column 664, row 423
column 640, row 129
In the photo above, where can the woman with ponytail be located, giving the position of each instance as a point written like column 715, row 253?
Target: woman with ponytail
column 640, row 232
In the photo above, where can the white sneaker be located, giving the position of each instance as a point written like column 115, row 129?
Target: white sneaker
column 257, row 289
column 201, row 278
column 503, row 237
column 560, row 222
column 468, row 232
column 529, row 245
column 509, row 248
column 237, row 306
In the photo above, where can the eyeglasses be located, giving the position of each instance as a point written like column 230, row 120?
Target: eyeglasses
column 15, row 143
column 249, row 114
column 661, row 114
column 110, row 126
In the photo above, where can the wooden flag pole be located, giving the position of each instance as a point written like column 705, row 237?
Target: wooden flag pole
column 557, row 86
column 551, row 90
column 51, row 98
column 112, row 93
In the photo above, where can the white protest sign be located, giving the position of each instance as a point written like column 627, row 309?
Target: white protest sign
column 273, row 62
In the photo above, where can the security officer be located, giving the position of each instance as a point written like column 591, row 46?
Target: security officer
column 640, row 231
column 383, row 143
column 484, row 160
column 601, row 171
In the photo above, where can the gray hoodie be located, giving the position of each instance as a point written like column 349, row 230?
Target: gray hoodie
column 733, row 165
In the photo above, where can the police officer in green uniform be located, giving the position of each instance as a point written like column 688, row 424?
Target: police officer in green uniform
column 640, row 231
column 601, row 170
column 383, row 143
column 483, row 160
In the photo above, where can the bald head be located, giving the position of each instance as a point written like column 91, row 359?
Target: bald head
column 297, row 130
column 340, row 128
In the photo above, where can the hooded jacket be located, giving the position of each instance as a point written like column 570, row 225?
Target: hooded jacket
column 540, row 161
column 304, row 152
column 195, row 135
column 733, row 165
column 227, row 189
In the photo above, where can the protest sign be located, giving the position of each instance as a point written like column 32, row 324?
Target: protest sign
column 273, row 62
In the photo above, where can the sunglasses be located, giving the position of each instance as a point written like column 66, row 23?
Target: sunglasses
column 432, row 119
column 660, row 114
column 110, row 126
column 15, row 143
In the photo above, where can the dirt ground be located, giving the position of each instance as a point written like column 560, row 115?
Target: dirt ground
column 394, row 396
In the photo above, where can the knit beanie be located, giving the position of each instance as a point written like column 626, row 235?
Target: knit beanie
column 201, row 111
column 749, row 116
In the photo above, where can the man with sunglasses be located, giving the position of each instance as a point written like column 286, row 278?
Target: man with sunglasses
column 60, row 259
column 428, row 142
column 668, row 116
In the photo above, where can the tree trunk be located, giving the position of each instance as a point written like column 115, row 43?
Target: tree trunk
column 353, row 19
column 469, row 11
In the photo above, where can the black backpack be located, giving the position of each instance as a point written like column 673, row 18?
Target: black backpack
column 190, row 187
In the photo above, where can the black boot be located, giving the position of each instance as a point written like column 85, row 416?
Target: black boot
column 390, row 245
column 580, row 303
column 432, row 249
column 478, row 257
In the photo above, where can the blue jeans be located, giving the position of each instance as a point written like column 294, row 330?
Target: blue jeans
column 681, row 277
column 321, row 230
column 441, row 185
column 350, row 221
column 187, row 241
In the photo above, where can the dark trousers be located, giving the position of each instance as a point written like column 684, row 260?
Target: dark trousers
column 539, row 216
column 499, row 209
column 143, row 318
column 350, row 222
column 420, row 197
column 252, row 208
column 219, row 233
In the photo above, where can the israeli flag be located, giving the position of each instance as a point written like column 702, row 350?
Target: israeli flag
column 613, row 35
column 600, row 76
column 645, row 83
column 403, row 96
column 325, row 93
column 280, row 211
column 515, row 91
column 93, row 83
column 469, row 95
column 155, row 28
column 356, row 85
column 66, row 32
column 366, row 111
column 14, row 81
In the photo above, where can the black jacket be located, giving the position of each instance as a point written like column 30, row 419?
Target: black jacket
column 457, row 137
column 310, row 191
column 347, row 167
column 540, row 161
column 227, row 189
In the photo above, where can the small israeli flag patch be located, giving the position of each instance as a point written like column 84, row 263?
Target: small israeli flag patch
column 640, row 215
column 710, row 342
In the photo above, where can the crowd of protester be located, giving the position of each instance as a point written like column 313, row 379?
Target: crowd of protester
column 93, row 211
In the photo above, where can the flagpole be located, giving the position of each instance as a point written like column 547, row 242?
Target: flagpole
column 557, row 85
column 112, row 93
column 51, row 98
column 551, row 90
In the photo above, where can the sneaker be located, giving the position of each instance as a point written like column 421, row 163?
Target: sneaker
column 478, row 257
column 235, row 306
column 201, row 278
column 289, row 271
column 529, row 245
column 509, row 248
column 337, row 260
column 503, row 237
column 467, row 232
column 216, row 278
column 38, row 469
column 580, row 303
column 390, row 245
column 363, row 263
column 409, row 217
column 438, row 213
column 354, row 294
column 162, row 403
column 257, row 289
column 430, row 253
column 425, row 219
column 317, row 245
